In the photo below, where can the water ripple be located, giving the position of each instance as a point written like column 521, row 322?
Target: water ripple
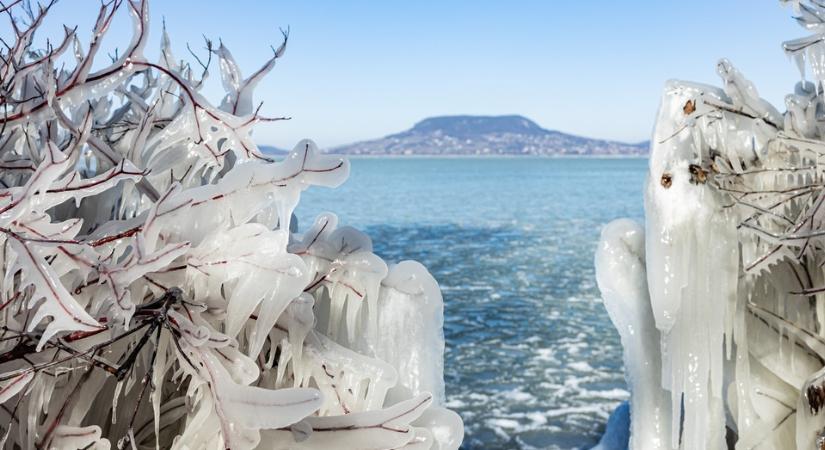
column 532, row 360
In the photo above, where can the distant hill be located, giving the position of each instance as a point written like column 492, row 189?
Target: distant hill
column 487, row 135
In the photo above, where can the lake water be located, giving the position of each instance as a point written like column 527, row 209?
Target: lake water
column 532, row 359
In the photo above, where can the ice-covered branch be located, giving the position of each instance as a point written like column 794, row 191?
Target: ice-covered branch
column 155, row 293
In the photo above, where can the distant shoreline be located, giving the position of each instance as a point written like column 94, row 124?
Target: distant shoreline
column 490, row 156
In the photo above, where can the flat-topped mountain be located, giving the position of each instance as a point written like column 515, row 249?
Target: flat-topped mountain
column 469, row 126
column 487, row 135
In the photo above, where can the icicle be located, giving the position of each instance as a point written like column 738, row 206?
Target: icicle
column 115, row 398
column 12, row 387
column 410, row 316
column 337, row 299
column 299, row 322
column 283, row 360
column 354, row 303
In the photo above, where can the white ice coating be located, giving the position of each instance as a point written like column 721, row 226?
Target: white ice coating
column 620, row 273
column 155, row 292
column 733, row 305
column 692, row 271
column 410, row 305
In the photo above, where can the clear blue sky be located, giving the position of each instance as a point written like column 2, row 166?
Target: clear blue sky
column 362, row 69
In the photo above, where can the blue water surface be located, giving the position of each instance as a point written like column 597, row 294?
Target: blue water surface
column 532, row 359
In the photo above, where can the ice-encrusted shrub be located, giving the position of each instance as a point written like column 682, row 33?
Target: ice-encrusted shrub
column 154, row 292
column 720, row 301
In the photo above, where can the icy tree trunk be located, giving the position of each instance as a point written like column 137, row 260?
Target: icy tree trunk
column 734, row 262
column 692, row 272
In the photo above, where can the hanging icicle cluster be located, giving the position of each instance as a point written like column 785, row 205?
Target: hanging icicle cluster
column 154, row 292
column 720, row 299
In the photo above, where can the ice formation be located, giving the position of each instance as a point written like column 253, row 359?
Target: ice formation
column 156, row 292
column 720, row 299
